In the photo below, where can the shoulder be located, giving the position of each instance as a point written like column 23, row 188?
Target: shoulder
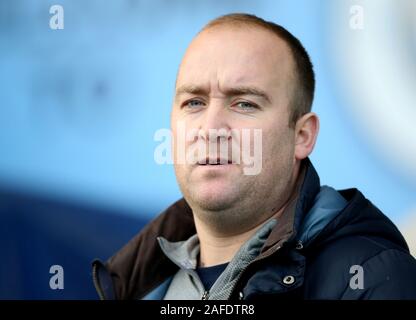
column 386, row 270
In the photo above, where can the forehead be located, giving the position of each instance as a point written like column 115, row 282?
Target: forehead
column 236, row 56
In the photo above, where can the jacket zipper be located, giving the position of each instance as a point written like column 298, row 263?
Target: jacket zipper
column 272, row 251
column 205, row 296
column 96, row 282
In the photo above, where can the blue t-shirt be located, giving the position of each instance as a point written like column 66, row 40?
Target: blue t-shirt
column 209, row 275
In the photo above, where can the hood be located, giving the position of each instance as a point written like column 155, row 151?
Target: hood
column 336, row 214
column 359, row 217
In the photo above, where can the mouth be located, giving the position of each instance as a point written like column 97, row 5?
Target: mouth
column 214, row 162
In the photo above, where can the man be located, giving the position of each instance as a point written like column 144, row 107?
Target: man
column 276, row 233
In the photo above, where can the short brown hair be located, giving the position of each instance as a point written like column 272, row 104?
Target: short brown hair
column 305, row 77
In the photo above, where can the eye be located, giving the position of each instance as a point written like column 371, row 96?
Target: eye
column 246, row 106
column 193, row 104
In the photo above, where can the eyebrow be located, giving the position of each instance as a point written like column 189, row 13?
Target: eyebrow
column 234, row 91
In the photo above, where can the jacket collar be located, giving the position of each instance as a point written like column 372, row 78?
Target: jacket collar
column 301, row 200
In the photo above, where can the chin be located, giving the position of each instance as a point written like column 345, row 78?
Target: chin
column 214, row 200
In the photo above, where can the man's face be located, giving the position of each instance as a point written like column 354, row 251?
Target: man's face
column 234, row 79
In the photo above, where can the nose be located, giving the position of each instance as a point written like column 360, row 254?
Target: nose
column 214, row 123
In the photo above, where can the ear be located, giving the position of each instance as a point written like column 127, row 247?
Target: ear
column 306, row 133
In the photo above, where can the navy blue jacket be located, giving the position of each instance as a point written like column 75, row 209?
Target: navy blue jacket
column 338, row 245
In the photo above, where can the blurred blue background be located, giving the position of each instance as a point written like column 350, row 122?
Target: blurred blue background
column 79, row 108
